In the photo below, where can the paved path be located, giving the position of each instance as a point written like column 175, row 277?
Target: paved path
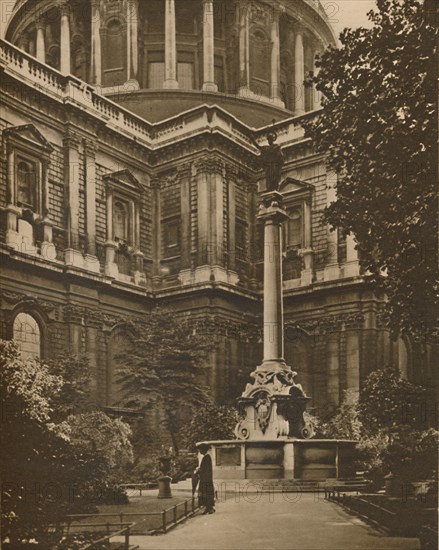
column 275, row 522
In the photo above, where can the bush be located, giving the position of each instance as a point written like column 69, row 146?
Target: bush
column 209, row 423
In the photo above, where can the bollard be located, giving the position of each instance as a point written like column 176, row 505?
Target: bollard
column 127, row 539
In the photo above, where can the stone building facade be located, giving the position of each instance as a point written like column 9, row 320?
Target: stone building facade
column 129, row 179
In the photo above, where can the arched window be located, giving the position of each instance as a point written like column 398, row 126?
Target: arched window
column 26, row 332
column 120, row 222
column 26, row 183
column 114, row 54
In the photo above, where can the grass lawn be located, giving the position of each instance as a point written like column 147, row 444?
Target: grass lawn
column 147, row 504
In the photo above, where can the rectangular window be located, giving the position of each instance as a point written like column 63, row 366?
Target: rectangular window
column 171, row 237
column 156, row 75
column 219, row 72
column 26, row 178
column 341, row 247
column 185, row 70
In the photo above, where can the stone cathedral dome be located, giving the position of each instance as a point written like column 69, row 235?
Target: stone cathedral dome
column 162, row 57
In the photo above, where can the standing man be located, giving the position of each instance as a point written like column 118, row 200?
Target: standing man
column 206, row 492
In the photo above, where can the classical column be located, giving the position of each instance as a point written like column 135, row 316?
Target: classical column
column 65, row 38
column 316, row 95
column 170, row 47
column 332, row 270
column 273, row 215
column 132, row 37
column 275, row 57
column 299, row 75
column 244, row 64
column 41, row 46
column 352, row 267
column 185, row 208
column 208, row 48
column 96, row 62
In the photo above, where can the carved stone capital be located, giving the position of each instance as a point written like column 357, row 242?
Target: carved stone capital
column 211, row 165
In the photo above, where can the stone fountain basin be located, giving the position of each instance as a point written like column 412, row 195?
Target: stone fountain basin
column 283, row 458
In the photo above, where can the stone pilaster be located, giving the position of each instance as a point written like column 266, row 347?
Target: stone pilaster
column 91, row 261
column 170, row 46
column 71, row 177
column 208, row 48
column 156, row 239
column 332, row 269
column 352, row 266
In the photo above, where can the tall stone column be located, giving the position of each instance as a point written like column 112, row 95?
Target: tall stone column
column 208, row 48
column 273, row 216
column 132, row 39
column 41, row 45
column 65, row 38
column 111, row 269
column 96, row 53
column 244, row 62
column 352, row 266
column 299, row 74
column 170, row 46
column 275, row 58
column 316, row 95
column 332, row 270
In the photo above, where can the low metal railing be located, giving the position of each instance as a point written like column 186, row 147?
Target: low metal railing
column 165, row 518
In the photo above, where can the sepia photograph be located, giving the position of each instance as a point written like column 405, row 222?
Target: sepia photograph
column 219, row 274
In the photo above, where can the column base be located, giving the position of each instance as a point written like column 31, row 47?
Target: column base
column 278, row 102
column 170, row 85
column 351, row 269
column 91, row 263
column 306, row 277
column 208, row 274
column 331, row 272
column 209, row 87
column 48, row 250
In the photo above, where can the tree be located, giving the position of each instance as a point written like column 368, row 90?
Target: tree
column 379, row 133
column 389, row 402
column 209, row 423
column 49, row 466
column 164, row 368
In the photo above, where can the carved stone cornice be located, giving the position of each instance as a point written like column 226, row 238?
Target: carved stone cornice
column 330, row 323
column 16, row 298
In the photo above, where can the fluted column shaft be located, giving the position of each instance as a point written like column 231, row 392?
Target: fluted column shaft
column 132, row 34
column 275, row 56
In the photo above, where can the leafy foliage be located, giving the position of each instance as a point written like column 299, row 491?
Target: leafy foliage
column 389, row 402
column 49, row 467
column 164, row 369
column 209, row 423
column 344, row 424
column 379, row 133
